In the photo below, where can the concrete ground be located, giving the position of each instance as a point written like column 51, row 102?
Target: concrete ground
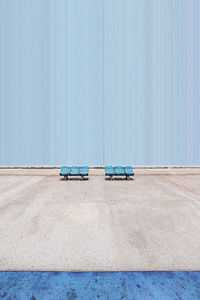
column 149, row 223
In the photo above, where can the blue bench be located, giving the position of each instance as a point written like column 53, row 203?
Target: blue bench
column 118, row 171
column 74, row 171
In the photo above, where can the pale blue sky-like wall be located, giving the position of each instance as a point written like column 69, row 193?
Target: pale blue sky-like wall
column 100, row 82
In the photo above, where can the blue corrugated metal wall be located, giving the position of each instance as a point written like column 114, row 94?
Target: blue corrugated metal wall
column 97, row 82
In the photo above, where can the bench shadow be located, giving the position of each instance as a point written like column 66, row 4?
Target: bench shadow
column 75, row 179
column 62, row 179
column 119, row 179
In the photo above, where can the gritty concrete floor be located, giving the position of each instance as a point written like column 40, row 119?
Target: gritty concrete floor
column 149, row 223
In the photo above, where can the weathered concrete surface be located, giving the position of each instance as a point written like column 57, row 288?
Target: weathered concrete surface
column 150, row 223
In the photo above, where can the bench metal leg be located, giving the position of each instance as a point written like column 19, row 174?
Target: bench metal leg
column 111, row 177
column 66, row 177
column 127, row 177
column 82, row 177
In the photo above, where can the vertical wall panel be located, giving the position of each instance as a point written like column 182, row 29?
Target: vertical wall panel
column 85, row 82
column 51, row 82
column 128, row 90
column 99, row 82
column 152, row 82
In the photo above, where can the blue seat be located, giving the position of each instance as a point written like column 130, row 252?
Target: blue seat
column 109, row 170
column 74, row 170
column 119, row 170
column 64, row 171
column 84, row 170
column 128, row 170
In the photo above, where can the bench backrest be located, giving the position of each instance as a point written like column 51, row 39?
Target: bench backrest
column 64, row 170
column 109, row 170
column 84, row 170
column 128, row 170
column 119, row 170
column 74, row 170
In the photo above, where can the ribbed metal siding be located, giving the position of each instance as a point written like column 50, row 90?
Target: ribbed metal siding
column 99, row 82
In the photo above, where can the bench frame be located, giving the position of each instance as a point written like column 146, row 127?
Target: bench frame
column 66, row 176
column 114, row 174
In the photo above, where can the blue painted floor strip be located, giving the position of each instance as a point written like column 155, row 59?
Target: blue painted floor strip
column 100, row 285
